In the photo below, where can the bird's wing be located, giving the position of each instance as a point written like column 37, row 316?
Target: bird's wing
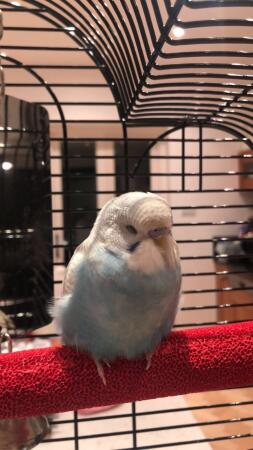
column 69, row 278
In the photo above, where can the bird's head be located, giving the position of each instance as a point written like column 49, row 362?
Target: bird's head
column 131, row 218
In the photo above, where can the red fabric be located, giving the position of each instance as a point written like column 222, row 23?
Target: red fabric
column 44, row 381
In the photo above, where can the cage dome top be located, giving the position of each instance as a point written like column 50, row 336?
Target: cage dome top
column 167, row 62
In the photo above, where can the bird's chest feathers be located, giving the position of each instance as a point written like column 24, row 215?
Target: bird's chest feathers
column 124, row 310
column 132, row 278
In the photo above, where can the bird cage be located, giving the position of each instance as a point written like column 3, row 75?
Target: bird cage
column 150, row 95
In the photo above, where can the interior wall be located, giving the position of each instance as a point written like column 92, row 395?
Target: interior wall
column 205, row 224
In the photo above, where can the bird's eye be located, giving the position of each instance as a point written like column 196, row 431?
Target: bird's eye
column 131, row 229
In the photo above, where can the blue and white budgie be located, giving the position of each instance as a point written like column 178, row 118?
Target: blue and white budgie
column 122, row 286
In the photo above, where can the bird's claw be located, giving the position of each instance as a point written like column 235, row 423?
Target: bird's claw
column 106, row 363
column 100, row 370
column 149, row 356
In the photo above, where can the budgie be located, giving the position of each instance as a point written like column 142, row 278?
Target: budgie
column 122, row 285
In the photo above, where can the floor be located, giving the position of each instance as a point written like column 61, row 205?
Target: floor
column 125, row 424
column 162, row 437
column 225, row 413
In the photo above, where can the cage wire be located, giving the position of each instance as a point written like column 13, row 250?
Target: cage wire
column 143, row 95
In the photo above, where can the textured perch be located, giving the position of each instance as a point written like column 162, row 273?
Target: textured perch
column 58, row 379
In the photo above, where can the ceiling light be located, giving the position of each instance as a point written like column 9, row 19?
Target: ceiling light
column 6, row 165
column 177, row 32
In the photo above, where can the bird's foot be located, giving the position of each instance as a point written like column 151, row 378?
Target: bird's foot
column 149, row 356
column 106, row 363
column 100, row 370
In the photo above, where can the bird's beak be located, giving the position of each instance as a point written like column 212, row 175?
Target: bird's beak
column 159, row 232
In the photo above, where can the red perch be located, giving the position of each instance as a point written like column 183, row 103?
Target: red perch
column 44, row 381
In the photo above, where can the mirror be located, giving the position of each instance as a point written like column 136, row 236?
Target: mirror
column 25, row 213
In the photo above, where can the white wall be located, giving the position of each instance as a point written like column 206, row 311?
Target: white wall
column 182, row 216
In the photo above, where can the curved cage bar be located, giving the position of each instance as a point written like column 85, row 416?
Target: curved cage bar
column 151, row 67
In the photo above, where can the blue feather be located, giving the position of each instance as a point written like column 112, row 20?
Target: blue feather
column 114, row 311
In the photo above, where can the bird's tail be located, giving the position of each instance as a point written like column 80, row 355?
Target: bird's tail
column 56, row 309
